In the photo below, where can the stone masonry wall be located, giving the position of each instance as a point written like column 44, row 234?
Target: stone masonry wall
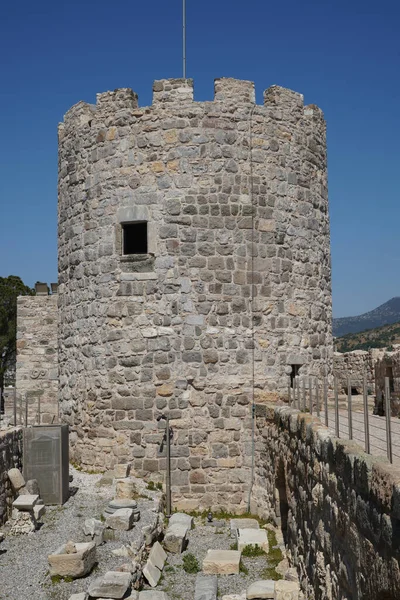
column 10, row 457
column 37, row 357
column 354, row 365
column 339, row 507
column 388, row 366
column 235, row 287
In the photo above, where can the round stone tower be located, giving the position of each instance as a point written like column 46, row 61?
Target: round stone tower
column 194, row 272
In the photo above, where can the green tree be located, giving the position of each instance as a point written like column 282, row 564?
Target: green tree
column 10, row 287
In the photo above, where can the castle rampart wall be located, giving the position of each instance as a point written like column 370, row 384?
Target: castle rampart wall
column 233, row 291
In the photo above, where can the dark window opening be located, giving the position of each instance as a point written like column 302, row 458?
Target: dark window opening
column 294, row 373
column 134, row 238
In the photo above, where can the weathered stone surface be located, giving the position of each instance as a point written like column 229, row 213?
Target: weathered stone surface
column 73, row 564
column 125, row 489
column 175, row 538
column 16, row 478
column 80, row 596
column 236, row 524
column 181, row 519
column 94, row 529
column 261, row 589
column 206, row 587
column 11, row 458
column 221, row 562
column 151, row 573
column 121, row 471
column 286, row 590
column 39, row 510
column 112, row 585
column 32, row 487
column 152, row 595
column 252, row 537
column 121, row 519
column 157, row 556
column 22, row 522
column 26, row 502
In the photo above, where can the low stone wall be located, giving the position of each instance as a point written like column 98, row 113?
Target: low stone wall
column 354, row 364
column 339, row 508
column 10, row 457
column 37, row 358
column 388, row 366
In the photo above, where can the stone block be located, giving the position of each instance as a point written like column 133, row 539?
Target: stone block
column 121, row 471
column 221, row 562
column 236, row 524
column 259, row 590
column 175, row 538
column 252, row 537
column 25, row 503
column 206, row 587
column 94, row 529
column 151, row 573
column 38, row 511
column 181, row 519
column 16, row 479
column 286, row 590
column 125, row 489
column 158, row 556
column 80, row 596
column 112, row 585
column 152, row 595
column 121, row 519
column 73, row 564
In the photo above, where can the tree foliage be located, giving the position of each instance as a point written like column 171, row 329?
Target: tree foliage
column 10, row 287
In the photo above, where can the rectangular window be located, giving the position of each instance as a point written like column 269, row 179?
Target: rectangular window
column 134, row 238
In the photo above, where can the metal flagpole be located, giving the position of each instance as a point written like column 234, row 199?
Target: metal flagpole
column 184, row 37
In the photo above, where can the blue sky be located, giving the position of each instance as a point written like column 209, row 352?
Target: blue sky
column 342, row 55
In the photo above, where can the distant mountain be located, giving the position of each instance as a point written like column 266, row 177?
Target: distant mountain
column 383, row 315
column 380, row 337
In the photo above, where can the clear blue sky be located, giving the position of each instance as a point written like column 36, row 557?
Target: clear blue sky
column 342, row 55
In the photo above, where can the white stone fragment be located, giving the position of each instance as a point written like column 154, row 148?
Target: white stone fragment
column 252, row 537
column 151, row 573
column 181, row 519
column 175, row 538
column 121, row 519
column 121, row 471
column 221, row 562
column 286, row 590
column 261, row 589
column 38, row 511
column 152, row 595
column 26, row 502
column 16, row 479
column 236, row 524
column 158, row 556
column 113, row 584
column 73, row 564
column 80, row 596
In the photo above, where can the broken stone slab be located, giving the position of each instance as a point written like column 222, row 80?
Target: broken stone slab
column 221, row 562
column 206, row 587
column 286, row 590
column 175, row 538
column 38, row 511
column 25, row 503
column 94, row 529
column 152, row 595
column 113, row 584
column 151, row 573
column 106, row 479
column 16, row 479
column 125, row 489
column 73, row 564
column 121, row 471
column 32, row 487
column 181, row 519
column 252, row 537
column 80, row 596
column 121, row 519
column 236, row 524
column 158, row 556
column 241, row 596
column 264, row 588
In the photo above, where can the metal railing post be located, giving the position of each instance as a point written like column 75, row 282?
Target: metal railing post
column 366, row 419
column 294, row 392
column 337, row 428
column 310, row 394
column 349, row 409
column 388, row 412
column 317, row 395
column 326, row 401
column 26, row 409
column 298, row 392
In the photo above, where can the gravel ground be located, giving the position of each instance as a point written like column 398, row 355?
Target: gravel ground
column 180, row 585
column 23, row 559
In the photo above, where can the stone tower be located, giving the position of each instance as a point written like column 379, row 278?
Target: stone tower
column 194, row 272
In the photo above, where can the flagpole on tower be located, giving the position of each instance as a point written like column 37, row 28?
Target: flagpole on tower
column 184, row 37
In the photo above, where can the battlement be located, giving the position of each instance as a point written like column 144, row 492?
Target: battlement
column 170, row 93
